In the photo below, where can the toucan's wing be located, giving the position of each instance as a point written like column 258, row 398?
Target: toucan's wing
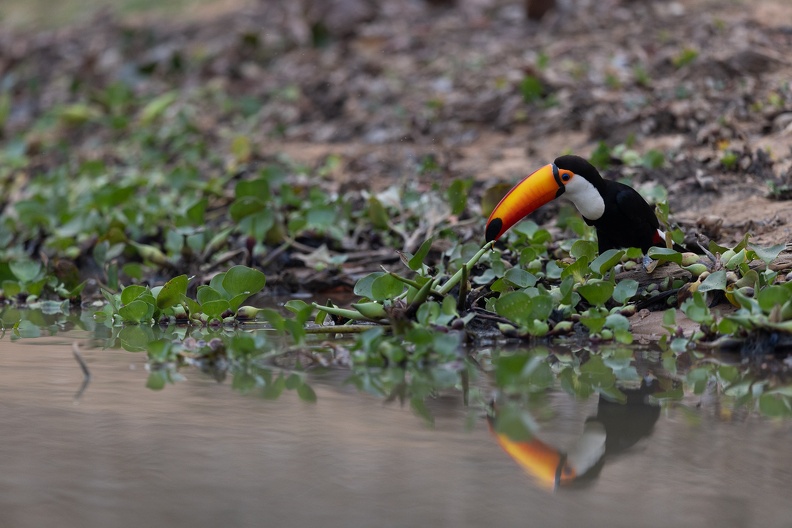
column 633, row 206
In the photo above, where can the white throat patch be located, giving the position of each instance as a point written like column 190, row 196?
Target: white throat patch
column 586, row 198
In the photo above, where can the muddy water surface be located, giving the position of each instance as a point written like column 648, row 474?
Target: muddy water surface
column 200, row 454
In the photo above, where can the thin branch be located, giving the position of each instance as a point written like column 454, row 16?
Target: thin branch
column 84, row 367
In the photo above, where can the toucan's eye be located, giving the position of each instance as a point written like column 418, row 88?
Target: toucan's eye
column 565, row 177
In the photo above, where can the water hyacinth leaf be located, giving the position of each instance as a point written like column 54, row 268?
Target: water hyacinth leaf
column 603, row 263
column 246, row 206
column 27, row 329
column 596, row 292
column 156, row 380
column 214, row 309
column 774, row 405
column 274, row 318
column 25, row 270
column 520, row 277
column 11, row 288
column 515, row 306
column 132, row 292
column 193, row 307
column 386, row 287
column 617, row 321
column 768, row 254
column 578, row 269
column 208, row 294
column 377, row 214
column 696, row 309
column 665, row 254
column 301, row 309
column 446, row 345
column 625, row 290
column 135, row 338
column 416, row 261
column 172, row 292
column 596, row 373
column 241, row 279
column 363, row 286
column 771, row 296
column 306, row 393
column 714, row 281
column 584, row 248
column 136, row 312
column 427, row 313
column 293, row 381
column 595, row 324
column 541, row 305
column 458, row 194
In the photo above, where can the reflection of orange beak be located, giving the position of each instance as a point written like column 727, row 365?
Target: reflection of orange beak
column 543, row 462
column 527, row 196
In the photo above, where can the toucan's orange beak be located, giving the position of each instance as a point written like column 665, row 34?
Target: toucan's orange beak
column 527, row 196
column 545, row 463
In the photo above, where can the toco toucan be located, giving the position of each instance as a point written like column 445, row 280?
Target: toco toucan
column 620, row 215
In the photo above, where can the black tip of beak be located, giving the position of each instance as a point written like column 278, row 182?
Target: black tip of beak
column 493, row 228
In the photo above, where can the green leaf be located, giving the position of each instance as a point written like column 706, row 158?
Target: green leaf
column 665, row 254
column 596, row 373
column 520, row 277
column 578, row 269
column 774, row 405
column 515, row 306
column 596, row 292
column 156, row 380
column 172, row 292
column 137, row 311
column 584, row 248
column 11, row 288
column 606, row 261
column 714, row 281
column 245, row 206
column 416, row 261
column 207, row 294
column 306, row 393
column 242, row 280
column 531, row 88
column 363, row 286
column 625, row 290
column 214, row 309
column 301, row 309
column 771, row 296
column 386, row 287
column 458, row 195
column 768, row 254
column 25, row 270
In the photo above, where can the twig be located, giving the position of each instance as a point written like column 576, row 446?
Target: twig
column 342, row 329
column 84, row 367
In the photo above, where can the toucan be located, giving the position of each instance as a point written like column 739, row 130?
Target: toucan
column 620, row 215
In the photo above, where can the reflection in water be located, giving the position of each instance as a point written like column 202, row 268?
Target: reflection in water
column 198, row 454
column 615, row 428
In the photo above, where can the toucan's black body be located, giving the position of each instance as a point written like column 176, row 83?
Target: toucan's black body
column 628, row 221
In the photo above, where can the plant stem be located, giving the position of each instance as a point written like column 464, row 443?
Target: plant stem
column 342, row 329
column 456, row 277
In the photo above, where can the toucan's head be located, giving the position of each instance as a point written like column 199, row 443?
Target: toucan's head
column 550, row 466
column 572, row 175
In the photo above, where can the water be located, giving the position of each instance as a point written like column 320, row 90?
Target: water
column 200, row 454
